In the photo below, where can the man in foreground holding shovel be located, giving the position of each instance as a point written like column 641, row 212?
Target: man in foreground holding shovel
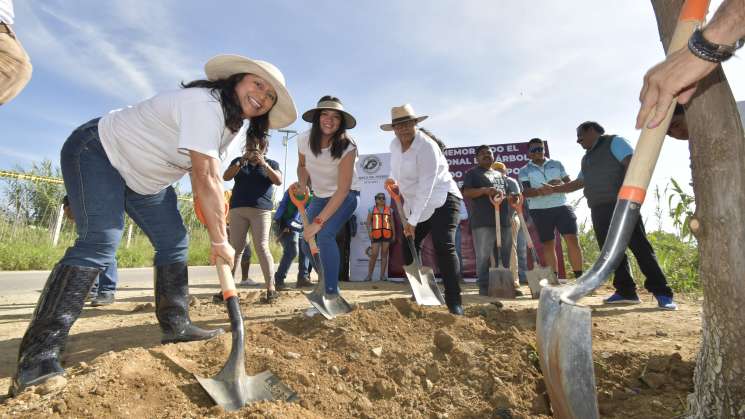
column 479, row 185
column 603, row 169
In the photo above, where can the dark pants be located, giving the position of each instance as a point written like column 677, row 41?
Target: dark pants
column 442, row 226
column 623, row 282
column 344, row 241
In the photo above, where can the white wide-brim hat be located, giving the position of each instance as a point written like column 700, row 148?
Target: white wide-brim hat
column 401, row 114
column 334, row 105
column 222, row 66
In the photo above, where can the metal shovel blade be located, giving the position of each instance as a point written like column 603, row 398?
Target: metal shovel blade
column 565, row 353
column 535, row 276
column 232, row 388
column 419, row 280
column 329, row 307
column 422, row 280
column 501, row 284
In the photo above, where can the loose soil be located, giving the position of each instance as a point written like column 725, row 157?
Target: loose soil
column 389, row 358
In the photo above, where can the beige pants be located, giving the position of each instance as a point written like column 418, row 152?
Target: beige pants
column 260, row 222
column 15, row 67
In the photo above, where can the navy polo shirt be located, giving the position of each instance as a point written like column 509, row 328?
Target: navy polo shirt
column 252, row 187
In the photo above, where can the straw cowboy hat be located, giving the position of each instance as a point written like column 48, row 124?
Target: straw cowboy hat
column 283, row 113
column 335, row 105
column 401, row 114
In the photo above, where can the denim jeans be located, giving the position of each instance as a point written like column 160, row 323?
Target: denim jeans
column 289, row 242
column 106, row 281
column 303, row 260
column 99, row 198
column 326, row 237
column 484, row 241
column 522, row 256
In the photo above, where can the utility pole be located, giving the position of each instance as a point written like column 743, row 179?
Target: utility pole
column 289, row 134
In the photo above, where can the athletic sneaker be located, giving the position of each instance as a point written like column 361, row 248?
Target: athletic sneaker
column 248, row 283
column 666, row 303
column 617, row 298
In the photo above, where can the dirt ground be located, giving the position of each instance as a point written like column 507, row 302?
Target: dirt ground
column 389, row 358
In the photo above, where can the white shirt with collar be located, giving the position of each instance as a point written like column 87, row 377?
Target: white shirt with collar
column 423, row 177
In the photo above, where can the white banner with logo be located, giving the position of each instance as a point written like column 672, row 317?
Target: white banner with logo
column 373, row 170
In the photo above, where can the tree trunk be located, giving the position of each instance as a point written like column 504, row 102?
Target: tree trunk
column 717, row 148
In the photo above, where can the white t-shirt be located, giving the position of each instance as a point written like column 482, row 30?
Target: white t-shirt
column 423, row 177
column 149, row 143
column 6, row 12
column 323, row 169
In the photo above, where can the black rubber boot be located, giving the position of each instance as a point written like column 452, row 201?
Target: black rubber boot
column 172, row 305
column 59, row 305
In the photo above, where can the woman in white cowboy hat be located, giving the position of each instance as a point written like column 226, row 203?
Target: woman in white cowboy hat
column 327, row 159
column 432, row 199
column 127, row 161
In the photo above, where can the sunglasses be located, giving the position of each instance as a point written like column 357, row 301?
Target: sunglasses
column 536, row 150
column 379, row 197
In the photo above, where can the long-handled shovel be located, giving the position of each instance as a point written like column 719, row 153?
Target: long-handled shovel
column 563, row 326
column 232, row 388
column 328, row 306
column 538, row 273
column 421, row 278
column 501, row 282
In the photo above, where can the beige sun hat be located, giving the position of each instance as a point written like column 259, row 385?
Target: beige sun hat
column 222, row 66
column 401, row 114
column 333, row 104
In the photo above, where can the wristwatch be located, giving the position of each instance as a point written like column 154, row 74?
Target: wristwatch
column 709, row 51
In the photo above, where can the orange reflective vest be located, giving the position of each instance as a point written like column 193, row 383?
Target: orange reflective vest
column 381, row 223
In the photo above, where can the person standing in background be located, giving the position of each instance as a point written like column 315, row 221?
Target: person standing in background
column 382, row 233
column 15, row 65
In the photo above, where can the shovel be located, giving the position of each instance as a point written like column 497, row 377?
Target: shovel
column 538, row 273
column 329, row 307
column 501, row 282
column 232, row 388
column 564, row 327
column 421, row 278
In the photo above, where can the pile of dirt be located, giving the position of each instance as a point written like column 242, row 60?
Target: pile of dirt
column 385, row 359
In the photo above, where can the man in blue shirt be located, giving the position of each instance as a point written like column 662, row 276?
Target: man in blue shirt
column 548, row 207
column 603, row 169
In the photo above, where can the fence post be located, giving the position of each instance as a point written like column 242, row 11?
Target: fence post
column 129, row 234
column 58, row 225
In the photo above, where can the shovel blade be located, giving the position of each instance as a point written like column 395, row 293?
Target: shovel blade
column 423, row 285
column 329, row 307
column 564, row 337
column 501, row 283
column 232, row 394
column 535, row 276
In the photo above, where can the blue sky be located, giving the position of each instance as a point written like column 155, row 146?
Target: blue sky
column 485, row 71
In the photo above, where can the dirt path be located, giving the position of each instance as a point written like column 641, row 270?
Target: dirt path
column 389, row 358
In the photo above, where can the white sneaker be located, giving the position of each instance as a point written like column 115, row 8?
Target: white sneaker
column 248, row 283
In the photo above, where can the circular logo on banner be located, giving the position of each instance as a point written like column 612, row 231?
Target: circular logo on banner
column 371, row 164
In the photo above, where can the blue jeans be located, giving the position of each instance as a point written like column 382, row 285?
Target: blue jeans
column 289, row 242
column 99, row 198
column 106, row 281
column 303, row 260
column 484, row 241
column 326, row 237
column 522, row 256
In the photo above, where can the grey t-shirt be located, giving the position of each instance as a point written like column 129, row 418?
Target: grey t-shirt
column 482, row 210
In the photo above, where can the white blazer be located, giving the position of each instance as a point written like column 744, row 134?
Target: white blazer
column 423, row 177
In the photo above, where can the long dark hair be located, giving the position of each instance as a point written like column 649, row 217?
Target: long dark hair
column 224, row 91
column 439, row 142
column 339, row 141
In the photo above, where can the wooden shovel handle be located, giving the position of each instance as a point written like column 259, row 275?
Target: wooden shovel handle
column 227, row 284
column 650, row 141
